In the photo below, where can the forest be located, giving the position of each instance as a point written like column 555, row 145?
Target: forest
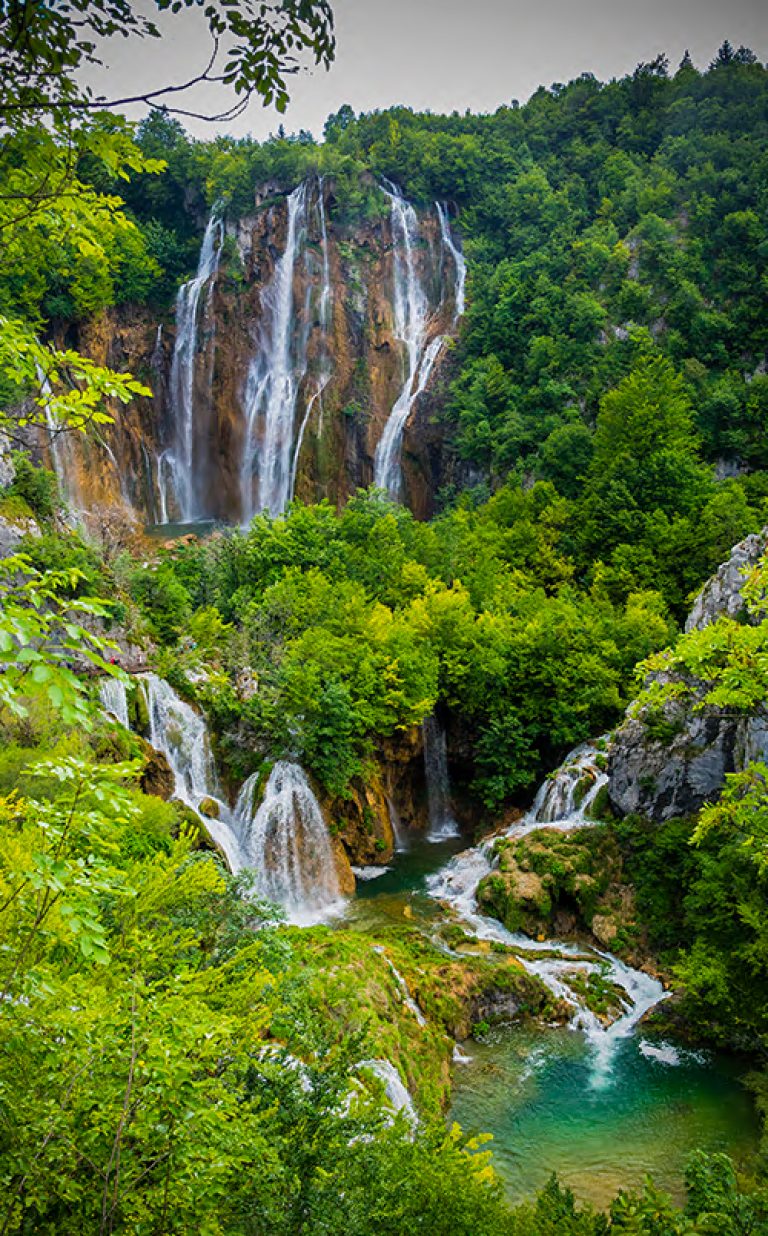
column 180, row 1053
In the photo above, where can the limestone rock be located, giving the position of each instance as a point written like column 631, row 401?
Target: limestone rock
column 675, row 766
column 157, row 777
column 722, row 593
column 13, row 530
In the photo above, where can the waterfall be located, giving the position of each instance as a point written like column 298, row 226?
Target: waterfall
column 402, row 987
column 181, row 735
column 182, row 461
column 456, row 884
column 398, row 832
column 287, row 843
column 62, row 451
column 114, row 699
column 570, row 792
column 411, row 321
column 460, row 265
column 395, row 1092
column 274, row 378
column 441, row 821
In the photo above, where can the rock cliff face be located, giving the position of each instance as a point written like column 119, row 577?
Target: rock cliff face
column 671, row 765
column 280, row 366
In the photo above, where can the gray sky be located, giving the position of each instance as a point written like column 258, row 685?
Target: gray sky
column 443, row 55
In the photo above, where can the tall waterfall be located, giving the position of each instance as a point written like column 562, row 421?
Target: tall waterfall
column 182, row 736
column 459, row 263
column 411, row 319
column 181, row 459
column 61, row 445
column 441, row 821
column 287, row 843
column 274, row 378
column 556, row 806
column 324, row 319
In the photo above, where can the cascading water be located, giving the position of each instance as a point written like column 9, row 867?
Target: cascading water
column 287, row 843
column 395, row 1092
column 274, row 378
column 411, row 320
column 402, row 987
column 181, row 459
column 561, row 803
column 398, row 832
column 459, row 263
column 182, row 736
column 441, row 821
column 114, row 699
column 324, row 319
column 60, row 441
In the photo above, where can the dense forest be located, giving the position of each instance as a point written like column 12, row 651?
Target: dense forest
column 176, row 1056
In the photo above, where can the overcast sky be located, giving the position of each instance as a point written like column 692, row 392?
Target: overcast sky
column 443, row 55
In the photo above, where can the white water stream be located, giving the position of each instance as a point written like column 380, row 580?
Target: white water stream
column 286, row 842
column 441, row 821
column 557, row 805
column 412, row 319
column 274, row 378
column 180, row 460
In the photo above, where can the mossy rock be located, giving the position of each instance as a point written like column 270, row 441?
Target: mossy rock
column 138, row 708
column 210, row 808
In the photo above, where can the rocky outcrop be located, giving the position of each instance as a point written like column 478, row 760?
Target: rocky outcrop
column 670, row 760
column 13, row 528
column 722, row 593
column 677, row 773
column 157, row 775
column 361, row 821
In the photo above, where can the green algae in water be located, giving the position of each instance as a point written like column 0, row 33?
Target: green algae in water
column 532, row 1090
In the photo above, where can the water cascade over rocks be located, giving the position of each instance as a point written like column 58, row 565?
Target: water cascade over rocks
column 459, row 263
column 114, row 700
column 285, row 839
column 178, row 467
column 182, row 736
column 396, row 1093
column 561, row 803
column 287, row 843
column 441, row 821
column 62, row 452
column 274, row 378
column 412, row 320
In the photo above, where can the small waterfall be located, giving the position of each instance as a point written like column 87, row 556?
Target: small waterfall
column 396, row 1093
column 457, row 885
column 114, row 699
column 570, row 792
column 63, row 457
column 460, row 265
column 181, row 735
column 274, row 378
column 398, row 832
column 164, row 473
column 411, row 321
column 287, row 843
column 402, row 987
column 441, row 821
column 182, row 461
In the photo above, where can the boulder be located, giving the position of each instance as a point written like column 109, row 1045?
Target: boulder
column 157, row 777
